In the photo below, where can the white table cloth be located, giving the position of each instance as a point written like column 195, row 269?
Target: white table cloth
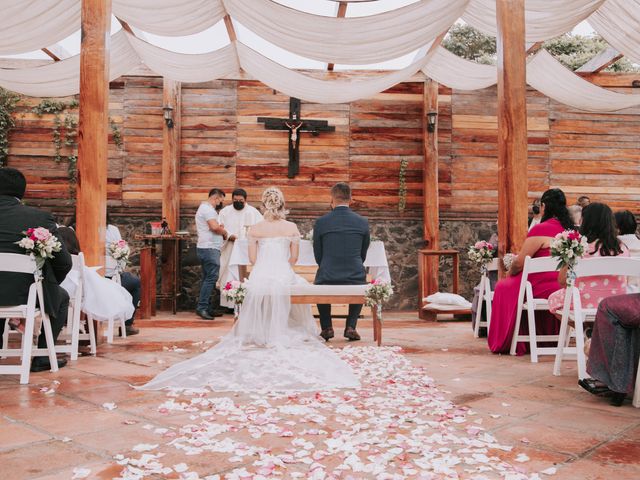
column 376, row 260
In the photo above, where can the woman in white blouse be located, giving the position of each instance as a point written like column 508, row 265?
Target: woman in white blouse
column 627, row 227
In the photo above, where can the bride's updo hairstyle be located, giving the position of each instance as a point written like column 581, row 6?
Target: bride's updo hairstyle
column 273, row 204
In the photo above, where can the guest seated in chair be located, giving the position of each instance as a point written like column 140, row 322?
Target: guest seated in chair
column 598, row 225
column 615, row 348
column 555, row 219
column 103, row 298
column 627, row 228
column 129, row 281
column 15, row 219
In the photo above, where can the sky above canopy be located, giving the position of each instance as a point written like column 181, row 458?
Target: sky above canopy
column 216, row 37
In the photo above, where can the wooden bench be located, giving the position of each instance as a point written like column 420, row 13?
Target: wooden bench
column 336, row 294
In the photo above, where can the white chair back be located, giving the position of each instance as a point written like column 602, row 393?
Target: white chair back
column 17, row 263
column 573, row 310
column 526, row 301
column 20, row 263
column 485, row 297
column 589, row 267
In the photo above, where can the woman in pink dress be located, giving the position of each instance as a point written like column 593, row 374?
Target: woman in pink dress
column 555, row 219
column 599, row 226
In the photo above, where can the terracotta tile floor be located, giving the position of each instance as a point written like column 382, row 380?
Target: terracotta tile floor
column 551, row 420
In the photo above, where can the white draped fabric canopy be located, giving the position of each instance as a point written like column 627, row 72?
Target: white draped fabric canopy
column 35, row 24
column 359, row 40
column 547, row 75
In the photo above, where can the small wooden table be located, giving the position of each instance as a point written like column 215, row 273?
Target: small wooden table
column 170, row 263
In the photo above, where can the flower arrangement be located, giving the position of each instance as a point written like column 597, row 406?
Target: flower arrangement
column 377, row 293
column 120, row 252
column 567, row 247
column 481, row 253
column 235, row 292
column 40, row 244
column 309, row 235
column 507, row 260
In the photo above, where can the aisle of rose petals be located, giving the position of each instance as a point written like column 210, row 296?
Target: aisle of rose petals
column 397, row 425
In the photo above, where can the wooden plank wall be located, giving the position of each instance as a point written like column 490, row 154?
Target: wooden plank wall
column 224, row 146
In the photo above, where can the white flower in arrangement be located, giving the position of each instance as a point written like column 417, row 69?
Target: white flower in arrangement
column 377, row 293
column 235, row 292
column 309, row 235
column 41, row 244
column 120, row 252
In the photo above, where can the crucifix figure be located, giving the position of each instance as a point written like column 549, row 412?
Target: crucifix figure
column 295, row 125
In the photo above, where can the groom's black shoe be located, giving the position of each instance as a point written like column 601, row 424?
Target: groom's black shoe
column 351, row 334
column 203, row 314
column 327, row 333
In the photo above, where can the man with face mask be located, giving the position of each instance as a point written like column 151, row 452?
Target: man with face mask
column 236, row 218
column 211, row 235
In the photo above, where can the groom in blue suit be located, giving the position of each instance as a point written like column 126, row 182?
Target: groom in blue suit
column 340, row 243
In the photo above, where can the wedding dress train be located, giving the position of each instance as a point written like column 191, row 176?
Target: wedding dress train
column 273, row 346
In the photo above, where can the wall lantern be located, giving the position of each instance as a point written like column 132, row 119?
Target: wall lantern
column 168, row 116
column 431, row 121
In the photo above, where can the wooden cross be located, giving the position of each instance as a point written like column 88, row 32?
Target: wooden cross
column 295, row 125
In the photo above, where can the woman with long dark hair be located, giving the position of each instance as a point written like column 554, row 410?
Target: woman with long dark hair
column 599, row 226
column 555, row 219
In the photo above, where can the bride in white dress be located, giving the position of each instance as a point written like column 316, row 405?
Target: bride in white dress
column 274, row 345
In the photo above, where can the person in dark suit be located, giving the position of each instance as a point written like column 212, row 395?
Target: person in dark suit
column 340, row 242
column 15, row 219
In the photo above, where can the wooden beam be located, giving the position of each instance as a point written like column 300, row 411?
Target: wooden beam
column 342, row 12
column 230, row 30
column 512, row 126
column 431, row 209
column 602, row 60
column 171, row 155
column 533, row 47
column 57, row 52
column 93, row 127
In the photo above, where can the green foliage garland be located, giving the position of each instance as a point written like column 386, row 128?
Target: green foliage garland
column 70, row 134
column 402, row 190
column 8, row 102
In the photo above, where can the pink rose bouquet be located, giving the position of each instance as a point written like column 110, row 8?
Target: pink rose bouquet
column 481, row 253
column 567, row 247
column 235, row 292
column 120, row 252
column 41, row 244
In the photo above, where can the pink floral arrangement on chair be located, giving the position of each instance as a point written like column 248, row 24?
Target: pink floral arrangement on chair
column 120, row 252
column 481, row 253
column 40, row 244
column 235, row 292
column 567, row 247
column 377, row 293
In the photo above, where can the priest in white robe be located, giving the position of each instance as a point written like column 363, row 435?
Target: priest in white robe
column 236, row 219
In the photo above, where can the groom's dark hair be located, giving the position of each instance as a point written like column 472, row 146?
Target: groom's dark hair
column 341, row 192
column 216, row 191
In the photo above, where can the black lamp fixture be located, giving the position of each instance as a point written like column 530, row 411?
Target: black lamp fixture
column 167, row 113
column 431, row 121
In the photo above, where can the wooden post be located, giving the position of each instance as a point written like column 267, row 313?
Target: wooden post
column 431, row 213
column 148, row 278
column 91, row 194
column 171, row 189
column 512, row 126
column 171, row 156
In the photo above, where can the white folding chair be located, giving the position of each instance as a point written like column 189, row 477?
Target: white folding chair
column 486, row 297
column 587, row 267
column 527, row 302
column 19, row 263
column 72, row 330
